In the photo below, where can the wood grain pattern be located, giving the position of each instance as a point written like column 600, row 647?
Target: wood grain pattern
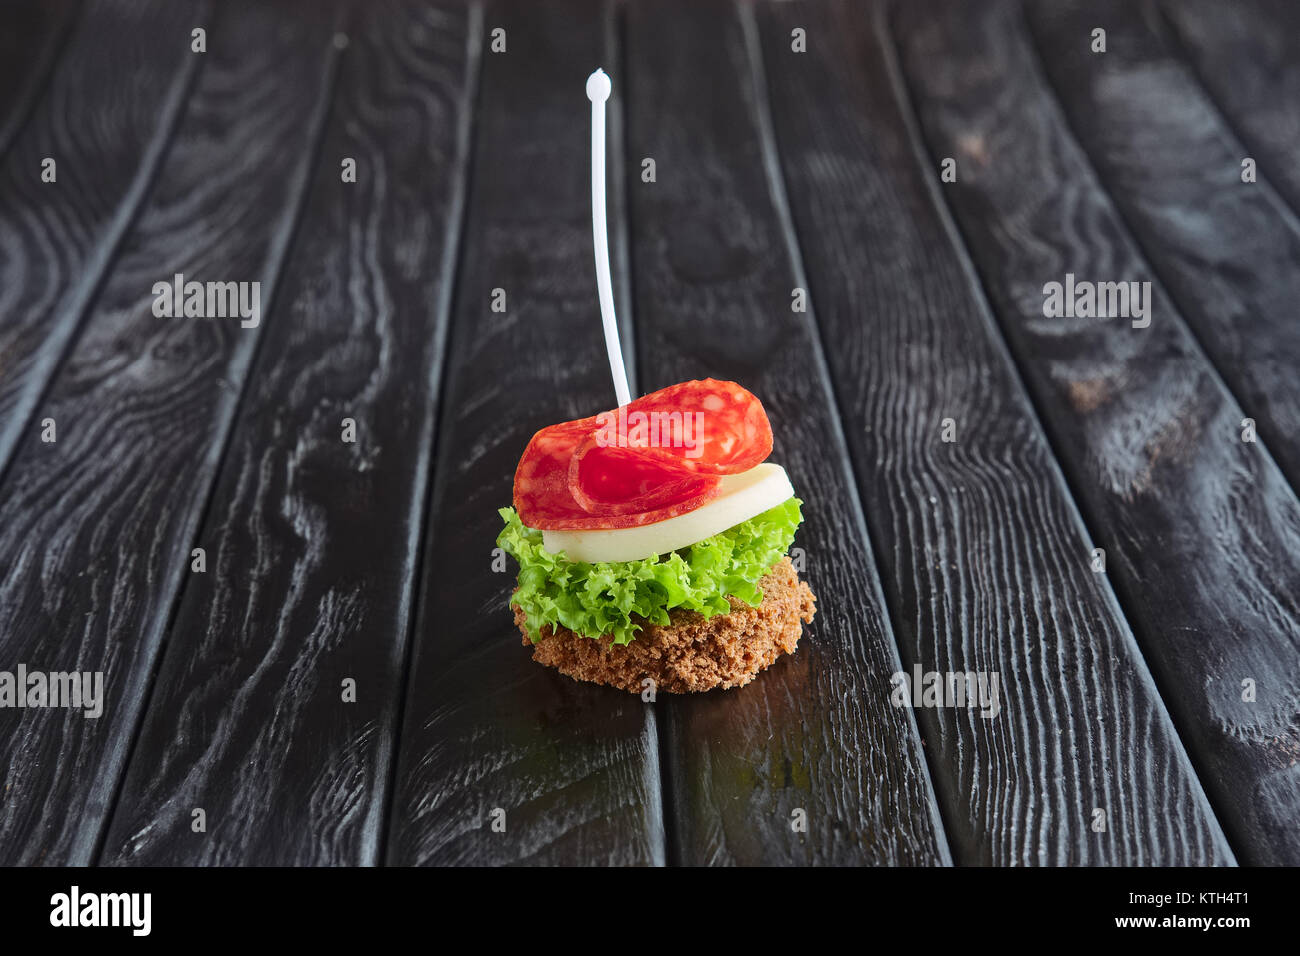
column 105, row 118
column 1225, row 250
column 985, row 557
column 32, row 33
column 574, row 767
column 712, row 285
column 96, row 529
column 1247, row 55
column 372, row 561
column 1201, row 532
column 313, row 541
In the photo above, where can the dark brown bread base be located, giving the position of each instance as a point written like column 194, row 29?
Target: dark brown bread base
column 693, row 653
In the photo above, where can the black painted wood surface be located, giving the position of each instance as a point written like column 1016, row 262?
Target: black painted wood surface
column 713, row 277
column 105, row 118
column 1247, row 56
column 356, row 332
column 567, row 771
column 1225, row 249
column 372, row 561
column 32, row 33
column 988, row 563
column 141, row 408
column 1199, row 529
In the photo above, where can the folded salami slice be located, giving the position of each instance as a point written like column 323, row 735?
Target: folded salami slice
column 653, row 459
column 707, row 426
column 541, row 494
column 637, row 492
column 626, row 481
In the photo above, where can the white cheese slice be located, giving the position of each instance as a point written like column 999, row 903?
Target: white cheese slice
column 740, row 497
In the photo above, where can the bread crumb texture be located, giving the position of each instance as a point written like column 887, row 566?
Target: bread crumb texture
column 693, row 653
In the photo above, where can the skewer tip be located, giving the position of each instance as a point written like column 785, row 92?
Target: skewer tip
column 598, row 87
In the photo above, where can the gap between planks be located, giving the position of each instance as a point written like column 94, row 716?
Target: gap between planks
column 789, row 233
column 1167, row 32
column 987, row 309
column 281, row 247
column 1130, row 234
column 444, row 311
column 45, row 369
column 1144, row 258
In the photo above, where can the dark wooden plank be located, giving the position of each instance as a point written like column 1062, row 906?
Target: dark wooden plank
column 31, row 34
column 1247, row 55
column 313, row 541
column 712, row 288
column 573, row 766
column 105, row 118
column 1201, row 533
column 984, row 554
column 96, row 529
column 1225, row 250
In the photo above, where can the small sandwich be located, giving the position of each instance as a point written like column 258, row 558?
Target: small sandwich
column 652, row 544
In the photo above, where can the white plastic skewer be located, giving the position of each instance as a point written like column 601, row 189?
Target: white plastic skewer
column 598, row 90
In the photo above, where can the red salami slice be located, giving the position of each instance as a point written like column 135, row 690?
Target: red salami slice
column 639, row 492
column 698, row 491
column 653, row 459
column 708, row 490
column 707, row 426
column 625, row 481
column 541, row 492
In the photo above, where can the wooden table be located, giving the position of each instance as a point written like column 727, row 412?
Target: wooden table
column 1069, row 503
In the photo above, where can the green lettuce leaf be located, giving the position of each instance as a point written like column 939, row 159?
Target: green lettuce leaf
column 601, row 599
